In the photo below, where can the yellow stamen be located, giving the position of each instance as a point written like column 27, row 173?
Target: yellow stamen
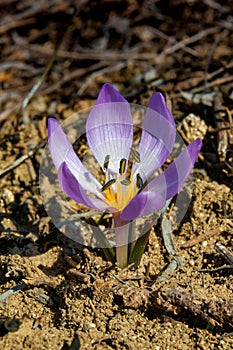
column 124, row 189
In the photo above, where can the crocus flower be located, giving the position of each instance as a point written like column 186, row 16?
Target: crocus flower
column 127, row 191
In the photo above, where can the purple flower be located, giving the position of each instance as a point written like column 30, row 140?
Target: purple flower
column 128, row 191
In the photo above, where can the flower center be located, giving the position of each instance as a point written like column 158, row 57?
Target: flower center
column 120, row 189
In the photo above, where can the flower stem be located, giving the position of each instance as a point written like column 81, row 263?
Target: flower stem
column 140, row 245
column 121, row 231
column 102, row 240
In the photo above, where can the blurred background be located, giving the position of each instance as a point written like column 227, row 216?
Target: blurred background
column 138, row 45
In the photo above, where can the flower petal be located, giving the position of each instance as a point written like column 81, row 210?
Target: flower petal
column 109, row 128
column 109, row 94
column 158, row 137
column 181, row 167
column 158, row 104
column 74, row 190
column 61, row 150
column 58, row 142
column 142, row 203
column 164, row 186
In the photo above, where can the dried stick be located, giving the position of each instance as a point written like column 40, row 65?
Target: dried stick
column 114, row 67
column 21, row 160
column 189, row 83
column 10, row 292
column 220, row 122
column 28, row 16
column 215, row 5
column 183, row 43
column 74, row 75
column 92, row 54
column 201, row 238
column 217, row 313
column 224, row 252
column 115, row 56
column 217, row 82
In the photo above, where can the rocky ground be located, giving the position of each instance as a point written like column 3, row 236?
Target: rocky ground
column 65, row 297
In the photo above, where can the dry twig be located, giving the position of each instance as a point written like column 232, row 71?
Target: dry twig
column 203, row 237
column 217, row 313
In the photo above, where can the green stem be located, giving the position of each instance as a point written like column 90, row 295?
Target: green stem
column 131, row 236
column 121, row 228
column 102, row 240
column 140, row 245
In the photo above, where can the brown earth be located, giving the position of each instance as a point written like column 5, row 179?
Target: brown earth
column 73, row 298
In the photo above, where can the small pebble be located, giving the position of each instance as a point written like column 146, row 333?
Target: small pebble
column 7, row 196
column 204, row 244
column 191, row 262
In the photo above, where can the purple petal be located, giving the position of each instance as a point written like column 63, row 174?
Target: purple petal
column 158, row 137
column 109, row 94
column 109, row 128
column 61, row 150
column 58, row 142
column 74, row 190
column 178, row 171
column 142, row 203
column 158, row 104
column 164, row 186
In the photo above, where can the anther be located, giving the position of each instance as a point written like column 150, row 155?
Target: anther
column 139, row 182
column 107, row 185
column 135, row 155
column 122, row 166
column 125, row 182
column 106, row 162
